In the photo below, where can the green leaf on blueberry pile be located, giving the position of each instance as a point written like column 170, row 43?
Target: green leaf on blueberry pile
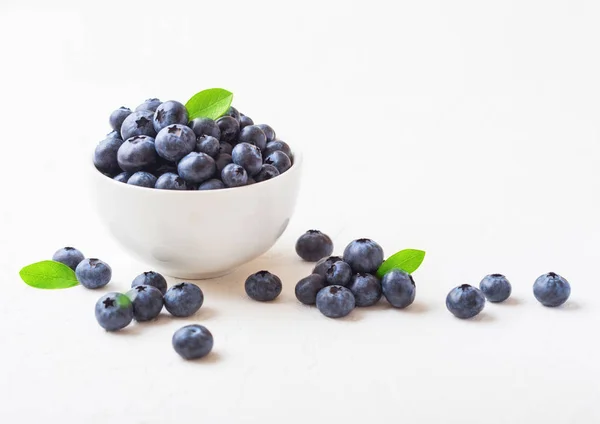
column 211, row 103
column 49, row 275
column 408, row 260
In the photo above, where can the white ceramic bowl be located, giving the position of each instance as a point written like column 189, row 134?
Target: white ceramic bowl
column 197, row 234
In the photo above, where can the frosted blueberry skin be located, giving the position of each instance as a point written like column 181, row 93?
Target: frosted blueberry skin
column 551, row 289
column 495, row 287
column 93, row 273
column 252, row 134
column 465, row 301
column 248, row 156
column 234, row 175
column 196, row 167
column 151, row 278
column 225, row 147
column 335, row 301
column 138, row 123
column 277, row 145
column 245, row 121
column 209, row 145
column 338, row 274
column 114, row 311
column 269, row 132
column 263, row 286
column 68, row 256
column 192, row 341
column 399, row 288
column 307, row 288
column 147, row 302
column 142, row 179
column 149, row 104
column 122, row 177
column 170, row 181
column 169, row 113
column 234, row 113
column 205, row 126
column 105, row 156
column 324, row 264
column 366, row 289
column 364, row 255
column 137, row 153
column 117, row 117
column 222, row 161
column 279, row 160
column 174, row 142
column 184, row 299
column 266, row 173
column 314, row 245
column 229, row 128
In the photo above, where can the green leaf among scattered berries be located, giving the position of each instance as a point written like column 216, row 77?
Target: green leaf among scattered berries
column 407, row 260
column 212, row 103
column 49, row 275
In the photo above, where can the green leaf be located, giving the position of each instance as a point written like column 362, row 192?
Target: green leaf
column 407, row 260
column 49, row 275
column 211, row 103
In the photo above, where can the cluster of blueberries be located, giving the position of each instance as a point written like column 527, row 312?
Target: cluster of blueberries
column 156, row 147
column 144, row 302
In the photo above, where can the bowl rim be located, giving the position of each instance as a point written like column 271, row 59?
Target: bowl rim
column 298, row 158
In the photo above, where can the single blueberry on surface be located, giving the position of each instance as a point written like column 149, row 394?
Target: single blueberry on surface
column 335, row 301
column 105, row 156
column 399, row 288
column 551, row 289
column 248, row 156
column 209, row 145
column 366, row 289
column 234, row 175
column 279, row 160
column 149, row 104
column 338, row 274
column 263, row 286
column 142, row 179
column 277, row 146
column 314, row 245
column 174, row 142
column 169, row 113
column 192, row 341
column 229, row 128
column 68, row 256
column 93, row 273
column 118, row 116
column 269, row 132
column 137, row 153
column 184, row 299
column 114, row 311
column 323, row 265
column 122, row 177
column 233, row 112
column 147, row 302
column 170, row 181
column 364, row 255
column 308, row 287
column 266, row 173
column 213, row 184
column 205, row 126
column 245, row 121
column 225, row 147
column 252, row 134
column 196, row 167
column 151, row 278
column 138, row 123
column 465, row 301
column 495, row 287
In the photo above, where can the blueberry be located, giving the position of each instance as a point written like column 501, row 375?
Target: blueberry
column 335, row 301
column 149, row 104
column 151, row 278
column 192, row 341
column 209, row 145
column 551, row 289
column 142, row 179
column 323, row 265
column 93, row 273
column 170, row 181
column 170, row 113
column 234, row 175
column 122, row 177
column 136, row 153
column 114, row 311
column 105, row 156
column 263, row 286
column 279, row 160
column 222, row 161
column 162, row 166
column 118, row 116
column 398, row 288
column 184, row 299
column 266, row 173
column 366, row 289
column 68, row 256
column 269, row 132
column 253, row 135
column 114, row 134
column 364, row 255
column 196, row 167
column 251, row 181
column 338, row 274
column 233, row 112
column 138, row 123
column 225, row 147
column 245, row 121
column 174, row 142
column 229, row 128
column 307, row 288
column 314, row 245
column 248, row 156
column 465, row 301
column 147, row 302
column 495, row 287
column 277, row 146
column 213, row 184
column 205, row 126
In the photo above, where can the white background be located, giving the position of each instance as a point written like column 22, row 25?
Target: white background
column 469, row 129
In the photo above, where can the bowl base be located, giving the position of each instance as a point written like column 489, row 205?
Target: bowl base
column 196, row 275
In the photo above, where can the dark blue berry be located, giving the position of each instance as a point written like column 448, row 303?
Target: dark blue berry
column 465, row 301
column 137, row 153
column 324, row 264
column 114, row 311
column 213, row 184
column 93, row 273
column 183, row 300
column 149, row 104
column 266, row 173
column 222, row 161
column 263, row 286
column 196, row 167
column 229, row 128
column 170, row 181
column 248, row 156
column 105, row 156
column 314, row 245
column 205, row 126
column 551, row 289
column 122, row 177
column 366, row 289
column 169, row 113
column 118, row 116
column 151, row 278
column 245, row 121
column 174, row 142
column 138, row 123
column 364, row 255
column 192, row 341
column 68, row 256
column 398, row 288
column 269, row 132
column 279, row 160
column 234, row 175
column 495, row 287
column 252, row 134
column 209, row 145
column 338, row 274
column 307, row 288
column 233, row 112
column 225, row 147
column 277, row 146
column 142, row 179
column 335, row 301
column 147, row 302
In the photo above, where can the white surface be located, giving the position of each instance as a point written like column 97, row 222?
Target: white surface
column 469, row 129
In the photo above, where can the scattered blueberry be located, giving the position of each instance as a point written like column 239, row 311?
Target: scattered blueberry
column 149, row 104
column 234, row 175
column 495, row 287
column 338, row 274
column 174, row 142
column 93, row 273
column 248, row 156
column 225, row 147
column 142, row 179
column 122, row 177
column 136, row 153
column 183, row 300
column 314, row 245
column 323, row 265
column 307, row 288
column 551, row 289
column 192, row 341
column 147, row 302
column 222, row 161
column 465, row 301
column 105, row 156
column 366, row 289
column 229, row 128
column 269, row 132
column 118, row 116
column 196, row 167
column 364, row 255
column 68, row 256
column 205, row 126
column 213, row 184
column 279, row 160
column 335, row 301
column 277, row 146
column 138, row 123
column 245, row 121
column 252, row 134
column 233, row 112
column 151, row 278
column 114, row 311
column 169, row 113
column 266, row 173
column 399, row 288
column 209, row 145
column 263, row 286
column 170, row 181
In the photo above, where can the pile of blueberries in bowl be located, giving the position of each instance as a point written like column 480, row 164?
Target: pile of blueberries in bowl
column 155, row 146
